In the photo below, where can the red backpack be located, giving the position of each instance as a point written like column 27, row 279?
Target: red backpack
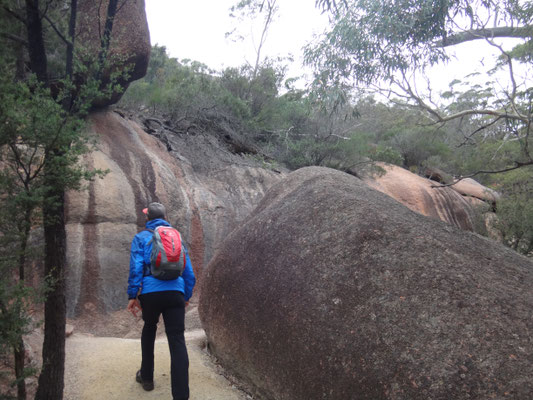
column 167, row 259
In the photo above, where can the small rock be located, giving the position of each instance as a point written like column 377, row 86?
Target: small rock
column 69, row 330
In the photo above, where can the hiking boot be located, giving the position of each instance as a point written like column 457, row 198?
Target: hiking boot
column 147, row 385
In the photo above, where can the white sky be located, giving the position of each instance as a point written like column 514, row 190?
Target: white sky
column 195, row 30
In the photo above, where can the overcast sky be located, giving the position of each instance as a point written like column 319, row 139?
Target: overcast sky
column 195, row 30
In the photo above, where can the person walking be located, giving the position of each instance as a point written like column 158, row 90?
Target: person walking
column 154, row 296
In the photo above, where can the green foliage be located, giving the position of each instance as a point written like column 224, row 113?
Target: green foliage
column 308, row 151
column 174, row 88
column 515, row 210
column 523, row 52
column 14, row 317
column 516, row 222
column 384, row 45
column 370, row 40
column 41, row 141
column 36, row 135
column 188, row 89
column 295, row 127
column 418, row 145
column 330, row 128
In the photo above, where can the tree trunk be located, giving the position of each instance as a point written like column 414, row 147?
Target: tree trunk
column 19, row 352
column 69, row 65
column 36, row 48
column 20, row 71
column 18, row 349
column 268, row 20
column 51, row 379
column 108, row 28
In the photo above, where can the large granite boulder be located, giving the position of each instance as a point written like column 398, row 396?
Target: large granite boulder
column 468, row 187
column 454, row 204
column 472, row 189
column 129, row 46
column 333, row 290
column 204, row 204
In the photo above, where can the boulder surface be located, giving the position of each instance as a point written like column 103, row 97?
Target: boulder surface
column 204, row 204
column 129, row 46
column 454, row 204
column 333, row 290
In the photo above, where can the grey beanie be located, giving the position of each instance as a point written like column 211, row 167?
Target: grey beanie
column 155, row 210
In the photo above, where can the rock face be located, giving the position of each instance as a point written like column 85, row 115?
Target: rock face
column 205, row 204
column 332, row 290
column 453, row 204
column 467, row 187
column 470, row 188
column 130, row 39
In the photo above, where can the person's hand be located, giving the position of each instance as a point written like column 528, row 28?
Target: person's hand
column 134, row 307
column 186, row 303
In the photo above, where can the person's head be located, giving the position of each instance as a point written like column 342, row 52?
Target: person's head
column 154, row 210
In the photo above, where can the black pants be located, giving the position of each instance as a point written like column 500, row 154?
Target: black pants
column 172, row 305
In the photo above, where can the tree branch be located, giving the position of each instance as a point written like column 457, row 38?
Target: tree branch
column 440, row 118
column 512, row 96
column 486, row 33
column 330, row 5
column 108, row 28
column 15, row 15
column 56, row 30
column 14, row 38
column 46, row 7
column 493, row 113
column 500, row 171
column 481, row 128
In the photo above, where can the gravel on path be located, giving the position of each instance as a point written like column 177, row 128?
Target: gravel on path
column 103, row 368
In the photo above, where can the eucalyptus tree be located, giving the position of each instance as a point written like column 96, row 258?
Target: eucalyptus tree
column 267, row 10
column 386, row 46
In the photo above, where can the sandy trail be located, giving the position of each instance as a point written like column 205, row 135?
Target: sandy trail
column 103, row 368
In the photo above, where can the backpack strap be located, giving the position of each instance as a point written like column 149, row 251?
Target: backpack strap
column 152, row 232
column 146, row 267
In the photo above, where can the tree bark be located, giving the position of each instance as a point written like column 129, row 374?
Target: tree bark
column 36, row 47
column 69, row 64
column 488, row 33
column 108, row 28
column 51, row 379
column 19, row 353
column 19, row 349
column 69, row 67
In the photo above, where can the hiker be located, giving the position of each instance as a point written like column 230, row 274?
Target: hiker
column 147, row 292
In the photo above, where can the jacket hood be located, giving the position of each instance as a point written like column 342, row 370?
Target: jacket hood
column 155, row 223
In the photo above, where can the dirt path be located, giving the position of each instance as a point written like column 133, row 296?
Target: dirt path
column 103, row 368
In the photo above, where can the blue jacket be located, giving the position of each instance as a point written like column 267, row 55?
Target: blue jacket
column 140, row 262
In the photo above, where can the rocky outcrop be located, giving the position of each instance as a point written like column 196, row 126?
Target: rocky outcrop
column 468, row 187
column 453, row 204
column 206, row 188
column 474, row 190
column 129, row 47
column 332, row 290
